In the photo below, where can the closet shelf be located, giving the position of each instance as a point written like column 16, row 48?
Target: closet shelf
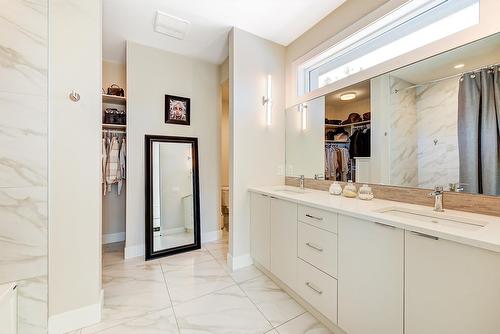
column 337, row 141
column 113, row 126
column 334, row 126
column 114, row 99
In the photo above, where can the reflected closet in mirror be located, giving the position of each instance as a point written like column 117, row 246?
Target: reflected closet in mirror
column 172, row 195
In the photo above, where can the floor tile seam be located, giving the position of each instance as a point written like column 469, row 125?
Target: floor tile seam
column 171, row 303
column 258, row 308
column 142, row 315
column 276, row 327
column 174, row 305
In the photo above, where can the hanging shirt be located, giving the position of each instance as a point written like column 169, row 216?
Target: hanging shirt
column 113, row 164
column 122, row 165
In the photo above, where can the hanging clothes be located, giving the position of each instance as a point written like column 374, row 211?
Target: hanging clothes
column 337, row 162
column 122, row 164
column 360, row 143
column 104, row 160
column 113, row 164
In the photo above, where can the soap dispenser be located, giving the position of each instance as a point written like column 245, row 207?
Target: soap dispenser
column 335, row 188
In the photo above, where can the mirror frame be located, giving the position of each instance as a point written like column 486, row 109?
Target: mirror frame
column 150, row 254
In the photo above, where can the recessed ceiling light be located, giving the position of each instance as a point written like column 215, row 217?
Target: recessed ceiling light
column 170, row 25
column 459, row 66
column 348, row 96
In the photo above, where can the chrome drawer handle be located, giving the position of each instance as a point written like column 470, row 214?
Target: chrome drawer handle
column 424, row 235
column 319, row 249
column 311, row 286
column 313, row 217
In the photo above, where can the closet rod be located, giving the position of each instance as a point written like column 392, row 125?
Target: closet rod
column 113, row 131
column 445, row 78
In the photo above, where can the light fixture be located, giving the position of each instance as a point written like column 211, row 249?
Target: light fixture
column 268, row 100
column 348, row 96
column 303, row 116
column 459, row 66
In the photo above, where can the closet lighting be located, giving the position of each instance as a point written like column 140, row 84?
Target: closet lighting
column 303, row 116
column 459, row 66
column 348, row 96
column 268, row 100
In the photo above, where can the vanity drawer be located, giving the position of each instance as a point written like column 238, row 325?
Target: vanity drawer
column 319, row 218
column 318, row 289
column 318, row 247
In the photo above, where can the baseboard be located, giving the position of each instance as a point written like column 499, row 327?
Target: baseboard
column 174, row 230
column 239, row 262
column 134, row 251
column 113, row 237
column 76, row 319
column 211, row 236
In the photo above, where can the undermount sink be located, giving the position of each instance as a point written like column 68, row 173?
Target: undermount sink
column 291, row 190
column 442, row 219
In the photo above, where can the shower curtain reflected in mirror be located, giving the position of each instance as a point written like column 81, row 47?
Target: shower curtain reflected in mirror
column 479, row 131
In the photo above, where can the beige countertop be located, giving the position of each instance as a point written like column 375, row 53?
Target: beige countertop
column 487, row 237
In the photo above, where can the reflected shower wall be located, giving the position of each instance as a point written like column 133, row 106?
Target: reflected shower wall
column 23, row 163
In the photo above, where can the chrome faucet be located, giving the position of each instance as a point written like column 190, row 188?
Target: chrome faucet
column 301, row 182
column 319, row 177
column 438, row 198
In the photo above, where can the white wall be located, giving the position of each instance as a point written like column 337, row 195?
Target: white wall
column 75, row 158
column 305, row 149
column 152, row 73
column 257, row 152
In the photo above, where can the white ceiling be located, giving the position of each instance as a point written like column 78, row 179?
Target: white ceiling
column 362, row 90
column 281, row 21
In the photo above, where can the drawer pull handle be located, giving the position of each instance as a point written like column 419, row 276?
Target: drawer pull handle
column 425, row 235
column 319, row 249
column 313, row 217
column 313, row 288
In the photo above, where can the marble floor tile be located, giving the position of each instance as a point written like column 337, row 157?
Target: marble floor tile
column 245, row 274
column 185, row 260
column 304, row 324
column 276, row 305
column 198, row 280
column 227, row 311
column 113, row 253
column 131, row 289
column 32, row 305
column 162, row 322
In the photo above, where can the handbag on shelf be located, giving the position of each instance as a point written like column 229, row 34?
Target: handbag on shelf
column 114, row 89
column 115, row 116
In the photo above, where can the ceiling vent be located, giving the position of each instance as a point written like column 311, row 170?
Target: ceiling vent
column 170, row 25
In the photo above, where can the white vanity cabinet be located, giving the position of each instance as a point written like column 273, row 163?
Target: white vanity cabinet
column 260, row 229
column 370, row 282
column 284, row 240
column 451, row 288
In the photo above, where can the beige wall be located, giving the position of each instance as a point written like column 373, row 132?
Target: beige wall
column 152, row 73
column 224, row 135
column 74, row 170
column 114, row 73
column 257, row 152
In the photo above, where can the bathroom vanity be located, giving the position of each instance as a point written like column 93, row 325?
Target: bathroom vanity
column 379, row 266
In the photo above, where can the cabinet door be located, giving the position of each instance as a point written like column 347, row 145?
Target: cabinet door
column 284, row 241
column 260, row 227
column 370, row 277
column 450, row 288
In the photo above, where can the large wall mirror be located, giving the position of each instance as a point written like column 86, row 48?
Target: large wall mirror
column 172, row 196
column 435, row 122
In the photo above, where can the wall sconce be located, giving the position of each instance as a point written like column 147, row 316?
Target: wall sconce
column 268, row 100
column 303, row 116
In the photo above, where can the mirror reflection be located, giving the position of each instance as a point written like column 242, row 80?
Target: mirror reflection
column 173, row 195
column 433, row 123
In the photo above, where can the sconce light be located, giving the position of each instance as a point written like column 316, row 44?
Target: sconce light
column 303, row 116
column 268, row 100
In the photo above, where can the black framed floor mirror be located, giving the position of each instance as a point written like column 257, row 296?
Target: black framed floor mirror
column 172, row 195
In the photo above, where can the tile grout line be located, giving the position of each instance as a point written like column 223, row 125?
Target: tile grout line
column 169, row 297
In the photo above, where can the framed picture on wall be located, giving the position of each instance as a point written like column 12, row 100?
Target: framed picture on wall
column 177, row 110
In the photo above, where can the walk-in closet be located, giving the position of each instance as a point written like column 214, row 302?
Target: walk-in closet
column 114, row 152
